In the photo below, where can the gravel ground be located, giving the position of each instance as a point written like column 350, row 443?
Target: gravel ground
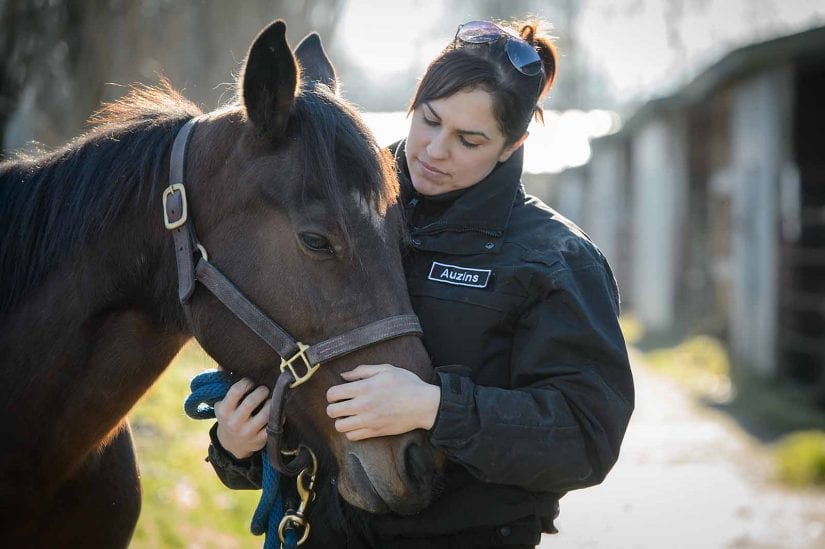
column 688, row 477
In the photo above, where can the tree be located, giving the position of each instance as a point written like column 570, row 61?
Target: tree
column 59, row 57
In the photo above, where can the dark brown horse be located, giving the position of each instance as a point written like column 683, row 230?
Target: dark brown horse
column 294, row 202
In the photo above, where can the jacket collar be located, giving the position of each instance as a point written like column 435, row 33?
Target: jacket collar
column 484, row 208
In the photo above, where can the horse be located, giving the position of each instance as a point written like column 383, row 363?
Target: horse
column 289, row 197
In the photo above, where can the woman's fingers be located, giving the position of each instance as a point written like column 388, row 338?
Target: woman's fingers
column 358, row 379
column 342, row 408
column 260, row 439
column 260, row 419
column 227, row 406
column 364, row 371
column 237, row 391
column 253, row 400
column 361, row 407
column 361, row 434
column 350, row 423
column 242, row 430
column 345, row 391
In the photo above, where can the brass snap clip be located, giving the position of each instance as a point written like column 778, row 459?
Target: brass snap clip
column 305, row 485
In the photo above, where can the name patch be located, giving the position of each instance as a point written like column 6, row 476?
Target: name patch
column 460, row 276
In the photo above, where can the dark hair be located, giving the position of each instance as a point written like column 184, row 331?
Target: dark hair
column 516, row 97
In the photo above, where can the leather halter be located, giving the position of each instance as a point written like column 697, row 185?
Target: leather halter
column 177, row 219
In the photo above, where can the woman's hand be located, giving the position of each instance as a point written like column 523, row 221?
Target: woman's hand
column 380, row 400
column 242, row 432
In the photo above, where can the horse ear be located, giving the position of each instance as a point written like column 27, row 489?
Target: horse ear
column 315, row 65
column 269, row 81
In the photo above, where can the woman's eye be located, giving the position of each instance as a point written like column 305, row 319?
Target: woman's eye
column 316, row 243
column 468, row 144
column 429, row 122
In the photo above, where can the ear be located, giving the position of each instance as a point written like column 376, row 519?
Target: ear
column 510, row 149
column 315, row 65
column 269, row 78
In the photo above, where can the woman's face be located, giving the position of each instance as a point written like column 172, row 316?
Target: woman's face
column 454, row 142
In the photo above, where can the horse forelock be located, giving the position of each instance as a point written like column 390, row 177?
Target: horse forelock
column 342, row 161
column 372, row 212
column 52, row 202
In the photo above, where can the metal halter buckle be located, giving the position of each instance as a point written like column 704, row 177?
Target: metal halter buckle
column 310, row 369
column 184, row 215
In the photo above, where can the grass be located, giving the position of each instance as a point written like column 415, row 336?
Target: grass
column 769, row 411
column 800, row 458
column 632, row 328
column 184, row 503
column 699, row 363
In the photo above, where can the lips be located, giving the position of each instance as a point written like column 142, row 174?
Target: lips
column 431, row 171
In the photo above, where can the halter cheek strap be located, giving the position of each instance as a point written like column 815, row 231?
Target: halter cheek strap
column 176, row 212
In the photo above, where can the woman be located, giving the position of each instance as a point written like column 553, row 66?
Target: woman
column 519, row 311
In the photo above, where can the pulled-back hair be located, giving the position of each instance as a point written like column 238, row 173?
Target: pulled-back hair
column 516, row 97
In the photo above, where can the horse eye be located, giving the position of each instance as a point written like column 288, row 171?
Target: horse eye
column 316, row 243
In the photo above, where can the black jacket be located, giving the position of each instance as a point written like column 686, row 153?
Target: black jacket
column 519, row 311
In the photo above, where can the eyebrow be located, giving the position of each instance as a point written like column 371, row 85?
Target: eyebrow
column 464, row 132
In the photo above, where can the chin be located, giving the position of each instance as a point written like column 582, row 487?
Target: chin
column 426, row 188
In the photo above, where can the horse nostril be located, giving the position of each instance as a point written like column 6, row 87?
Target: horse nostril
column 419, row 464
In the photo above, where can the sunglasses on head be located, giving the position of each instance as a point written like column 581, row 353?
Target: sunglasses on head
column 521, row 54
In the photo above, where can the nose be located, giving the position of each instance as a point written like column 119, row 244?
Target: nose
column 419, row 465
column 437, row 147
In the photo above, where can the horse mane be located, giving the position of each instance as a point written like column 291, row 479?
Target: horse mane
column 51, row 202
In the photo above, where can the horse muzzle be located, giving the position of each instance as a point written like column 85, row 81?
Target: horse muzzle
column 399, row 477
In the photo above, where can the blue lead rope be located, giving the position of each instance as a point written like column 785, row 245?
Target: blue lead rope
column 207, row 388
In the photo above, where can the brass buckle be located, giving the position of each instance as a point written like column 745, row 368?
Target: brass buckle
column 169, row 191
column 310, row 369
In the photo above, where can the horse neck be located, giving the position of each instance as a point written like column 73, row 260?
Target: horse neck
column 87, row 344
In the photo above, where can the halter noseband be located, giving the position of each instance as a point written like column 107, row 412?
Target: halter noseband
column 177, row 219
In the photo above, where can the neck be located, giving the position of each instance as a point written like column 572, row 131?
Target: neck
column 85, row 345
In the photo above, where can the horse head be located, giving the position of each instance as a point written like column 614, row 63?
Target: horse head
column 296, row 204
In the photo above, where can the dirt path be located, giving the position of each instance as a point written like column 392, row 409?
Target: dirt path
column 688, row 477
